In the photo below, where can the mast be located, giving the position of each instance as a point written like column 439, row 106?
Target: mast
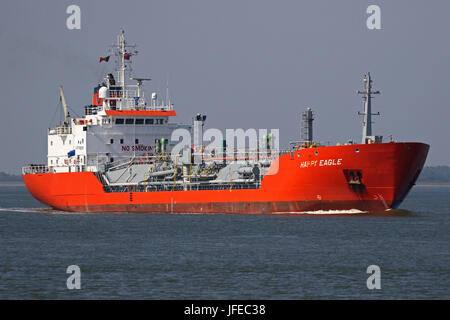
column 64, row 105
column 123, row 55
column 367, row 122
column 122, row 58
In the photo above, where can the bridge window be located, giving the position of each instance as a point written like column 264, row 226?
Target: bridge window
column 136, row 141
column 148, row 121
column 139, row 121
column 121, row 141
column 119, row 121
column 111, row 141
column 129, row 121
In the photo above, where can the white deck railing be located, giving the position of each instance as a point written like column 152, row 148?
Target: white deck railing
column 35, row 168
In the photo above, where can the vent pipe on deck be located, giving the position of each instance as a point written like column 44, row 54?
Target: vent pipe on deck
column 307, row 128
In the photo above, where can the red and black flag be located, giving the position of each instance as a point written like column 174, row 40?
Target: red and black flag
column 127, row 56
column 104, row 59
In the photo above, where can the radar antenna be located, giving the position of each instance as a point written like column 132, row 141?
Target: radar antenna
column 139, row 84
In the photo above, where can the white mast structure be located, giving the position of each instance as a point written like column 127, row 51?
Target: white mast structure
column 132, row 95
column 367, row 122
column 123, row 55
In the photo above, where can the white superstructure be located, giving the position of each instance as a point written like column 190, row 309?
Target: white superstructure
column 119, row 124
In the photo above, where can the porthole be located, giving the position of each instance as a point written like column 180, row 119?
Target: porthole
column 356, row 150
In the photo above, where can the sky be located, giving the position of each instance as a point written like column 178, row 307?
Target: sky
column 243, row 63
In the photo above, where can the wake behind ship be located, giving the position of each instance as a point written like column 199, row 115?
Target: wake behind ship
column 120, row 157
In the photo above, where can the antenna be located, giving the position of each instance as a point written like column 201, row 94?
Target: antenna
column 167, row 92
column 367, row 122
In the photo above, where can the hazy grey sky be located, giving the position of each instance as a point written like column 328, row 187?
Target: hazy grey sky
column 244, row 63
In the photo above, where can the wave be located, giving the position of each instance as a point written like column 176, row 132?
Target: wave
column 389, row 212
column 326, row 212
column 36, row 210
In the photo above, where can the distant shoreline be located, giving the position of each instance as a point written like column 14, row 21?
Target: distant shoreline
column 11, row 183
column 433, row 184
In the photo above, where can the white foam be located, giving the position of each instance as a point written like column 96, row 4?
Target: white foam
column 325, row 212
column 53, row 211
column 33, row 210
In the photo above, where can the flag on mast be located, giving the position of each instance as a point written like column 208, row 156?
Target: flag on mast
column 104, row 59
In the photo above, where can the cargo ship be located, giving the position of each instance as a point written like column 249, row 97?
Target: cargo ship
column 121, row 156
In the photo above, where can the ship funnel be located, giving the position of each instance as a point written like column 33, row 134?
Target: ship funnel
column 307, row 127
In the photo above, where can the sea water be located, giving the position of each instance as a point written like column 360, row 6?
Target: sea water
column 322, row 255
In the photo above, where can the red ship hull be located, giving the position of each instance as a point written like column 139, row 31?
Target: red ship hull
column 306, row 180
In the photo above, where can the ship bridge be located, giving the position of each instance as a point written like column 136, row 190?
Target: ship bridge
column 120, row 123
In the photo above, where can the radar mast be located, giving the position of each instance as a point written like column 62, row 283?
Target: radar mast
column 367, row 96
